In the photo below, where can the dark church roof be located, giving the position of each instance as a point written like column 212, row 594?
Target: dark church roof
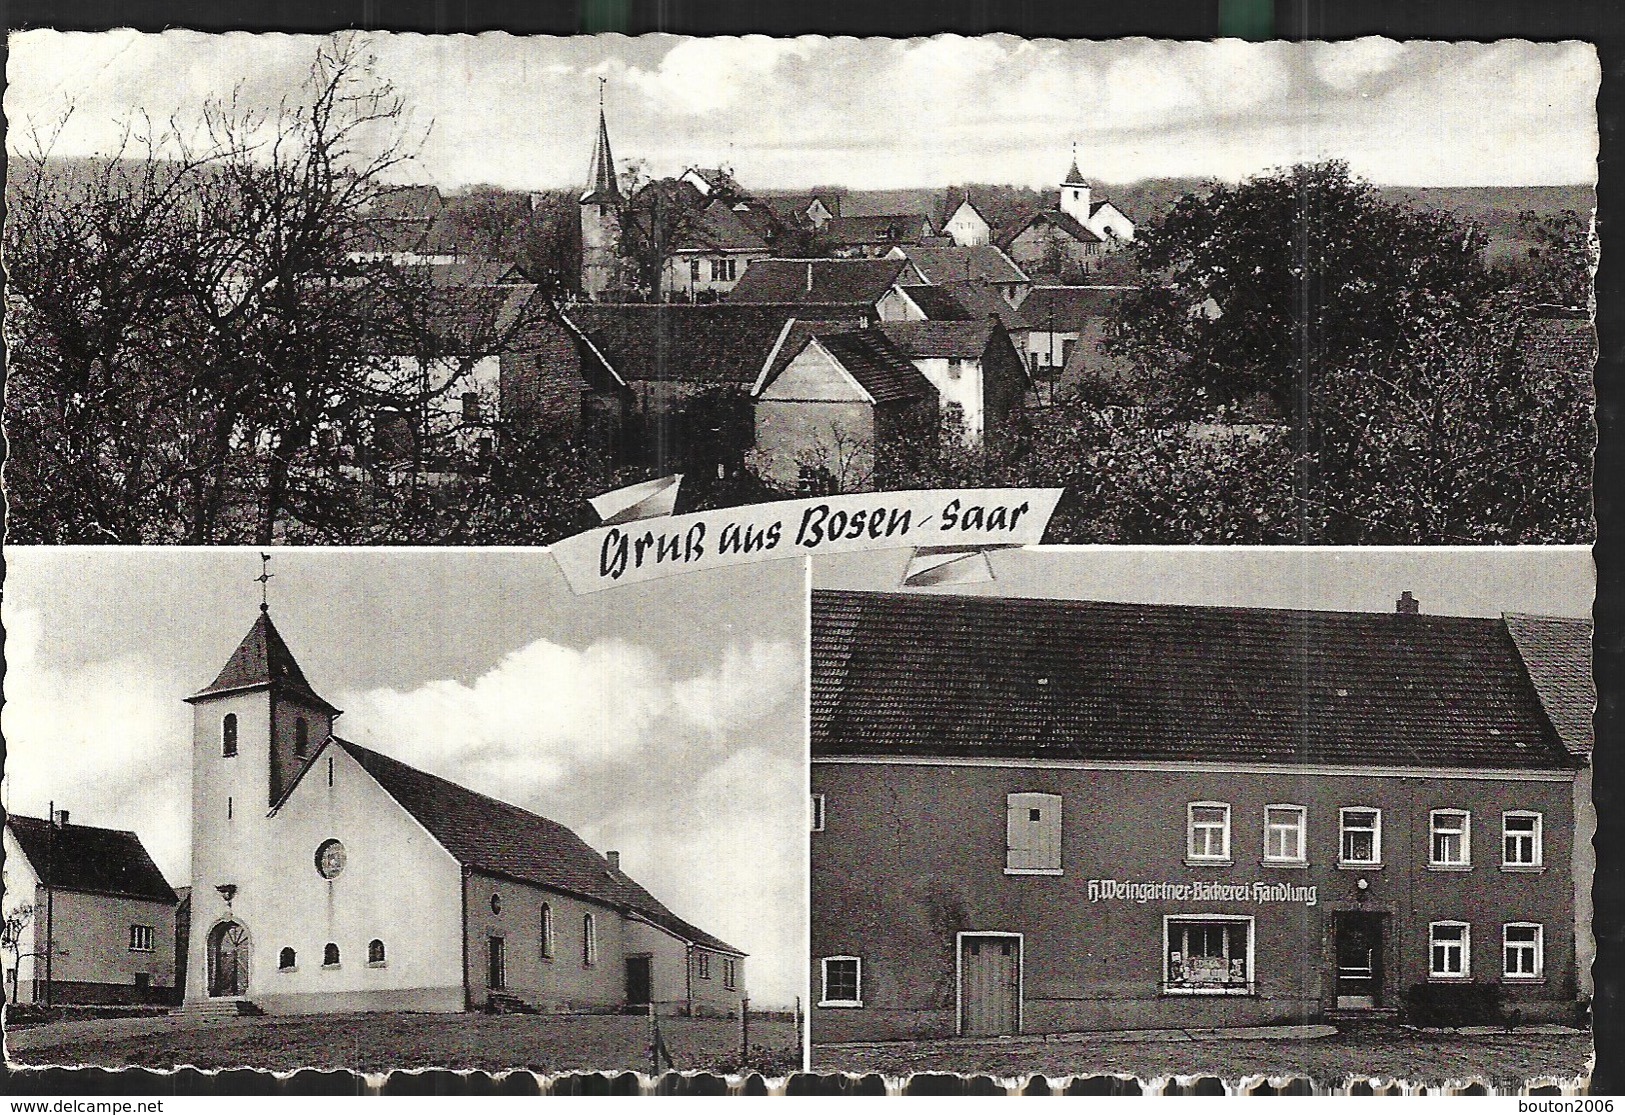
column 602, row 186
column 86, row 858
column 260, row 661
column 1557, row 653
column 496, row 838
column 938, row 675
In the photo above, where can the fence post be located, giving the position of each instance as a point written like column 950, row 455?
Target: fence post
column 744, row 1032
column 801, row 1046
column 654, row 1042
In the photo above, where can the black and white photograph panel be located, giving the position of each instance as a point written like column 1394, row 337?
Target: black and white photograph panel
column 377, row 810
column 390, row 288
column 1313, row 813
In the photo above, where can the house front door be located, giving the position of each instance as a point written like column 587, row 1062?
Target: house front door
column 1359, row 961
column 639, row 982
column 989, row 984
column 497, row 967
column 229, row 954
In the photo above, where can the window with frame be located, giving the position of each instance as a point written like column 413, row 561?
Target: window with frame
column 956, row 367
column 1523, row 948
column 1284, row 833
column 547, row 931
column 694, row 270
column 1360, row 836
column 1032, row 842
column 286, row 960
column 589, row 940
column 228, row 736
column 843, row 982
column 375, row 951
column 1450, row 838
column 1207, row 831
column 818, row 812
column 330, row 955
column 730, row 973
column 1449, row 950
column 471, row 407
column 702, row 965
column 1208, row 955
column 141, row 938
column 1520, row 839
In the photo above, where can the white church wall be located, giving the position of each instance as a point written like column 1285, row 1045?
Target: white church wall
column 562, row 981
column 668, row 960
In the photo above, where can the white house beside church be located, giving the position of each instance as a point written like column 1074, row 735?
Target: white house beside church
column 331, row 877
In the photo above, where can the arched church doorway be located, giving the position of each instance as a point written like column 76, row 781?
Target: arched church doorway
column 229, row 953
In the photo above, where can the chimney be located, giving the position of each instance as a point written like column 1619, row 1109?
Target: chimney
column 809, row 276
column 614, row 860
column 1407, row 605
column 60, row 819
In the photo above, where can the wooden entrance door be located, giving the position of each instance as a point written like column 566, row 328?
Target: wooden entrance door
column 1359, row 961
column 639, row 982
column 989, row 984
column 229, row 955
column 496, row 974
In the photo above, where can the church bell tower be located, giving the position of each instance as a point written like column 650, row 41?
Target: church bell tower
column 600, row 214
column 1075, row 193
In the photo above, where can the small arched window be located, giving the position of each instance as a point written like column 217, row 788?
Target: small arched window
column 330, row 956
column 285, row 959
column 547, row 931
column 375, row 951
column 228, row 735
column 589, row 941
column 301, row 737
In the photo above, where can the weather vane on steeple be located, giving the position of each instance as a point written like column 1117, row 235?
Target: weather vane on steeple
column 602, row 81
column 265, row 579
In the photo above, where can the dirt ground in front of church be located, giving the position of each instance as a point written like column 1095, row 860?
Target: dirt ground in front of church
column 378, row 1042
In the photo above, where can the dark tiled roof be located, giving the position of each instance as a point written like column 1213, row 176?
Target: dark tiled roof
column 602, row 185
column 473, row 272
column 496, row 838
column 965, row 340
column 982, row 301
column 937, row 303
column 857, row 282
column 1068, row 306
column 797, row 333
column 1557, row 654
column 262, row 660
column 1074, row 177
column 916, row 674
column 82, row 857
column 1063, row 221
column 720, row 228
column 719, row 343
column 953, row 263
column 886, row 373
column 893, row 228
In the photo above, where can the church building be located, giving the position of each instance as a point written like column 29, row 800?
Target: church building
column 327, row 876
column 1071, row 237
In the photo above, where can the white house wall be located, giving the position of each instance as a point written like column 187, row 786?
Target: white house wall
column 965, row 388
column 20, row 884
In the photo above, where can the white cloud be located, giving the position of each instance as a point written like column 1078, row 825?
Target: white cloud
column 702, row 76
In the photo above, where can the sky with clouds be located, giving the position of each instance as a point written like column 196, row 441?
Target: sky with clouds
column 663, row 721
column 880, row 113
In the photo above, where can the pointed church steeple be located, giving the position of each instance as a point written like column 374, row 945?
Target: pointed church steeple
column 1074, row 177
column 262, row 661
column 603, row 187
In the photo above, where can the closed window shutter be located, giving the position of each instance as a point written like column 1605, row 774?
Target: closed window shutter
column 1033, row 832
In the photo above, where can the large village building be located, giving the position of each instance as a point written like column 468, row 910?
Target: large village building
column 1042, row 816
column 1073, row 236
column 327, row 876
column 94, row 901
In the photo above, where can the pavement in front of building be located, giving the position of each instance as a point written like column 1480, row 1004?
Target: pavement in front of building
column 1194, row 1033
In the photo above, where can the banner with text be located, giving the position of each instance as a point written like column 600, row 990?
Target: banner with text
column 628, row 553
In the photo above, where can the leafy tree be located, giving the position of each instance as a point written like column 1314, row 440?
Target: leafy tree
column 655, row 219
column 1560, row 254
column 1256, row 288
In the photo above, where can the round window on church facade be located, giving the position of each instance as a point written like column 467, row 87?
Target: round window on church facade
column 330, row 859
column 496, row 903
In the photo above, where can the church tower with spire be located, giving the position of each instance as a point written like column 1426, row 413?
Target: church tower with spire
column 1075, row 193
column 600, row 214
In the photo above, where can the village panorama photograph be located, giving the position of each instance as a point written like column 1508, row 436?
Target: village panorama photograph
column 404, row 289
column 1302, row 814
column 381, row 810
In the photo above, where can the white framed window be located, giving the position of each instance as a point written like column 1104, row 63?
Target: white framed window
column 1207, row 954
column 1450, row 839
column 1359, row 836
column 1285, row 829
column 702, row 965
column 843, row 982
column 140, row 938
column 730, row 973
column 818, row 812
column 1449, row 950
column 1523, row 950
column 547, row 931
column 376, row 957
column 287, row 961
column 589, row 941
column 1207, row 831
column 228, row 736
column 694, row 270
column 1521, row 839
column 1032, row 834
